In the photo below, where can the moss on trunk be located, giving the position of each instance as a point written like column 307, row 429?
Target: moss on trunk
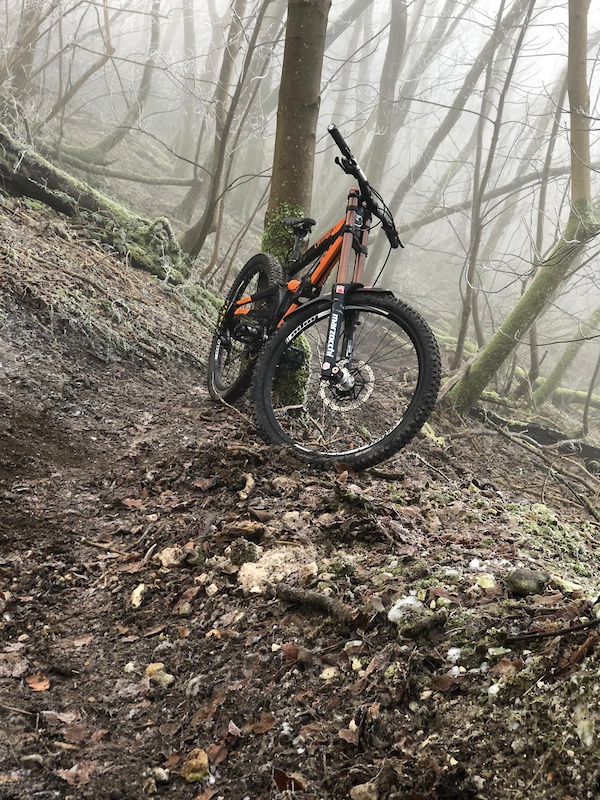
column 582, row 226
column 278, row 239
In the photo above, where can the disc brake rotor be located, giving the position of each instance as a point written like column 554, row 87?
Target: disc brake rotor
column 364, row 383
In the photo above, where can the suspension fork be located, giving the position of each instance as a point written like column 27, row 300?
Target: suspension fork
column 354, row 249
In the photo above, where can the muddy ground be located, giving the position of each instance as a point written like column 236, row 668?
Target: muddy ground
column 188, row 613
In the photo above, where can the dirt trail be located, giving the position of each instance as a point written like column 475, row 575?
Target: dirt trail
column 141, row 525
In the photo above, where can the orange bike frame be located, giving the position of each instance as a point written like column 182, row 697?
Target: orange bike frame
column 344, row 245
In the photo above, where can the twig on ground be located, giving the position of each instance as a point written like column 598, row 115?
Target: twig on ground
column 17, row 710
column 561, row 474
column 317, row 601
column 108, row 547
column 527, row 637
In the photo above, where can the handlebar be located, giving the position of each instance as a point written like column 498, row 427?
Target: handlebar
column 340, row 141
column 351, row 167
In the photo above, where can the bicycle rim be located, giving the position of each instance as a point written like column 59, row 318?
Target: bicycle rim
column 394, row 376
column 232, row 354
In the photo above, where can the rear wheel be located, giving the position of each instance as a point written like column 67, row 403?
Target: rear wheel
column 390, row 380
column 238, row 338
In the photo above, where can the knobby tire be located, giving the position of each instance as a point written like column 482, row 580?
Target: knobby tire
column 231, row 361
column 395, row 369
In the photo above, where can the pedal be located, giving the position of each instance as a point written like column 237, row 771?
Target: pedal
column 247, row 332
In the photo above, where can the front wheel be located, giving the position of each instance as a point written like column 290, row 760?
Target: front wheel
column 391, row 366
column 238, row 338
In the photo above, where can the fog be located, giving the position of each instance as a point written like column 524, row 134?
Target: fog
column 121, row 92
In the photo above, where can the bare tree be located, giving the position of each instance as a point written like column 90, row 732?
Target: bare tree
column 299, row 99
column 581, row 227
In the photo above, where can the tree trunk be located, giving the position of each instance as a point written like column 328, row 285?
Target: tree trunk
column 188, row 123
column 96, row 153
column 151, row 246
column 480, row 183
column 194, row 238
column 297, row 114
column 383, row 135
column 70, row 93
column 569, row 354
column 581, row 227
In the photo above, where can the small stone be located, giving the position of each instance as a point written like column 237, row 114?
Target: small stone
column 524, row 582
column 152, row 669
column 329, row 673
column 158, row 675
column 292, row 520
column 137, row 596
column 183, row 609
column 163, row 679
column 171, row 556
column 195, row 767
column 518, row 746
column 405, row 607
column 160, row 775
column 364, row 791
column 212, row 590
column 486, row 581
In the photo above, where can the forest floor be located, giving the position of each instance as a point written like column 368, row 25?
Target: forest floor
column 188, row 613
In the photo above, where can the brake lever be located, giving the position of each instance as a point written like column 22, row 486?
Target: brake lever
column 345, row 164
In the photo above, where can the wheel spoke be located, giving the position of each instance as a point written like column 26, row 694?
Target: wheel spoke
column 359, row 420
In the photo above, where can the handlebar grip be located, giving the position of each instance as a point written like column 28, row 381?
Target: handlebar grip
column 340, row 141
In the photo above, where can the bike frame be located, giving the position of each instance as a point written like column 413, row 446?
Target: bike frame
column 344, row 246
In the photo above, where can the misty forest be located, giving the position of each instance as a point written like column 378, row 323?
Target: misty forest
column 190, row 611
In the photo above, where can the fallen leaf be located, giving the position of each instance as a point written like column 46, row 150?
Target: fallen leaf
column 169, row 728
column 9, row 777
column 507, row 667
column 38, row 682
column 379, row 661
column 79, row 774
column 75, row 734
column 349, row 736
column 292, row 782
column 217, row 753
column 264, row 723
column 289, row 651
column 203, row 483
column 68, row 717
column 205, row 713
column 83, row 641
column 206, row 795
column 154, row 631
column 132, row 502
column 442, row 683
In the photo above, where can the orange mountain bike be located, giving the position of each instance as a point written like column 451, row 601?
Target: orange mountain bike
column 348, row 377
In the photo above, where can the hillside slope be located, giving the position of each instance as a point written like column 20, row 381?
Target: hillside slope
column 141, row 525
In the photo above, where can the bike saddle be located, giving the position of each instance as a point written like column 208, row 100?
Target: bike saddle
column 301, row 226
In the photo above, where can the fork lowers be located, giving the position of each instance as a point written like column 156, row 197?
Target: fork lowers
column 373, row 400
